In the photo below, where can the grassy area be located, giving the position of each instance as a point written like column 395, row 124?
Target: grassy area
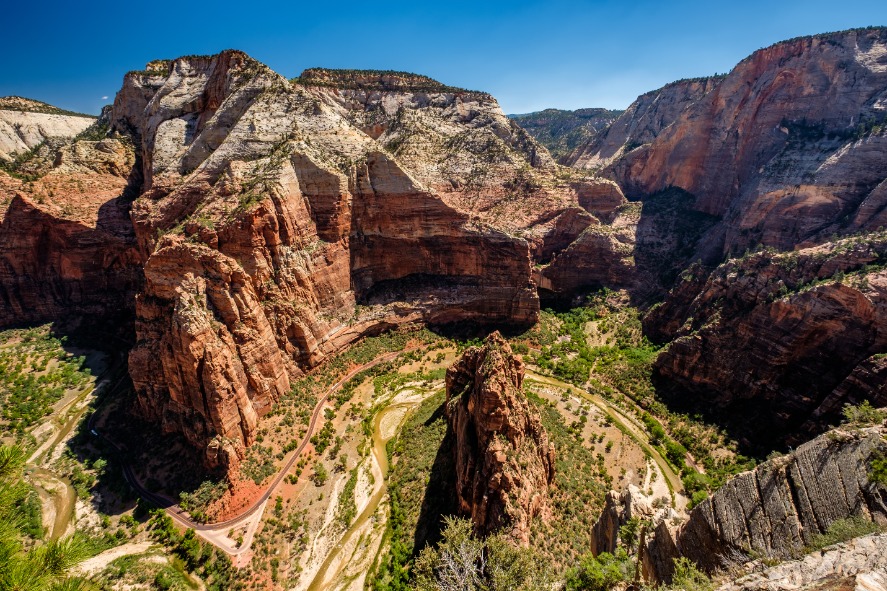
column 35, row 373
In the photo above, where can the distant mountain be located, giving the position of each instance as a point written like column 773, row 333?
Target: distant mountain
column 562, row 131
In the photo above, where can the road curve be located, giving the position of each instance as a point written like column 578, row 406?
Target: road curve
column 181, row 516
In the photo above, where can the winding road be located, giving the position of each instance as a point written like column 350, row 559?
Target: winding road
column 181, row 516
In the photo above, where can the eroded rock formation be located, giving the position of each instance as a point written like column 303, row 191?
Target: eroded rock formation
column 504, row 462
column 25, row 124
column 778, row 508
column 777, row 343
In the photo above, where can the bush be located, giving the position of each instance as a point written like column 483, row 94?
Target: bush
column 863, row 414
column 320, row 474
column 600, row 573
column 687, row 577
column 842, row 530
column 878, row 468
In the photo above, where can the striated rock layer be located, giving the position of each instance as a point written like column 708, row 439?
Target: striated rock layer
column 504, row 462
column 279, row 221
column 778, row 508
column 25, row 124
column 776, row 343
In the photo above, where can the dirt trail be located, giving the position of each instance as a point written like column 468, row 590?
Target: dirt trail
column 99, row 562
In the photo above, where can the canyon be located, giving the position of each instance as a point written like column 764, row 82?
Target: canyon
column 235, row 230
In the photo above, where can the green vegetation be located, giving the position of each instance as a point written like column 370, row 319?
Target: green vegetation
column 465, row 562
column 600, row 573
column 842, row 530
column 347, row 509
column 416, row 448
column 213, row 566
column 688, row 577
column 197, row 502
column 41, row 566
column 878, row 468
column 35, row 373
column 863, row 414
column 600, row 347
column 580, row 483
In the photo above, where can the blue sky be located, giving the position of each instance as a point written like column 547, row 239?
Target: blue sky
column 530, row 55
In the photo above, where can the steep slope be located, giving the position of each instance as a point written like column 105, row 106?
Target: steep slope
column 776, row 343
column 25, row 123
column 504, row 462
column 777, row 509
column 640, row 124
column 787, row 148
column 563, row 131
column 67, row 245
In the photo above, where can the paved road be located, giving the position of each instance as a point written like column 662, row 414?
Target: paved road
column 182, row 517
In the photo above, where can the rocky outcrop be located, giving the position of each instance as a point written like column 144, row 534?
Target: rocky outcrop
column 619, row 509
column 640, row 124
column 25, row 124
column 859, row 564
column 504, row 462
column 774, row 344
column 776, row 510
column 563, row 131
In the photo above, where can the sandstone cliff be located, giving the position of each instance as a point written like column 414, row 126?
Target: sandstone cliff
column 67, row 246
column 776, row 510
column 270, row 208
column 25, row 124
column 788, row 147
column 641, row 123
column 504, row 462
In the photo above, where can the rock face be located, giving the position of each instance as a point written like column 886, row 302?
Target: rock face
column 779, row 341
column 24, row 124
column 563, row 131
column 618, row 510
column 859, row 564
column 640, row 124
column 788, row 147
column 67, row 246
column 269, row 209
column 777, row 509
column 504, row 461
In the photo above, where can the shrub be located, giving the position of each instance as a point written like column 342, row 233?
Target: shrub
column 863, row 414
column 600, row 573
column 878, row 468
column 687, row 577
column 842, row 530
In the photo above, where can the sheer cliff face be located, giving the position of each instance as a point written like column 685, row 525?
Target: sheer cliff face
column 504, row 461
column 641, row 123
column 67, row 247
column 270, row 208
column 776, row 344
column 788, row 147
